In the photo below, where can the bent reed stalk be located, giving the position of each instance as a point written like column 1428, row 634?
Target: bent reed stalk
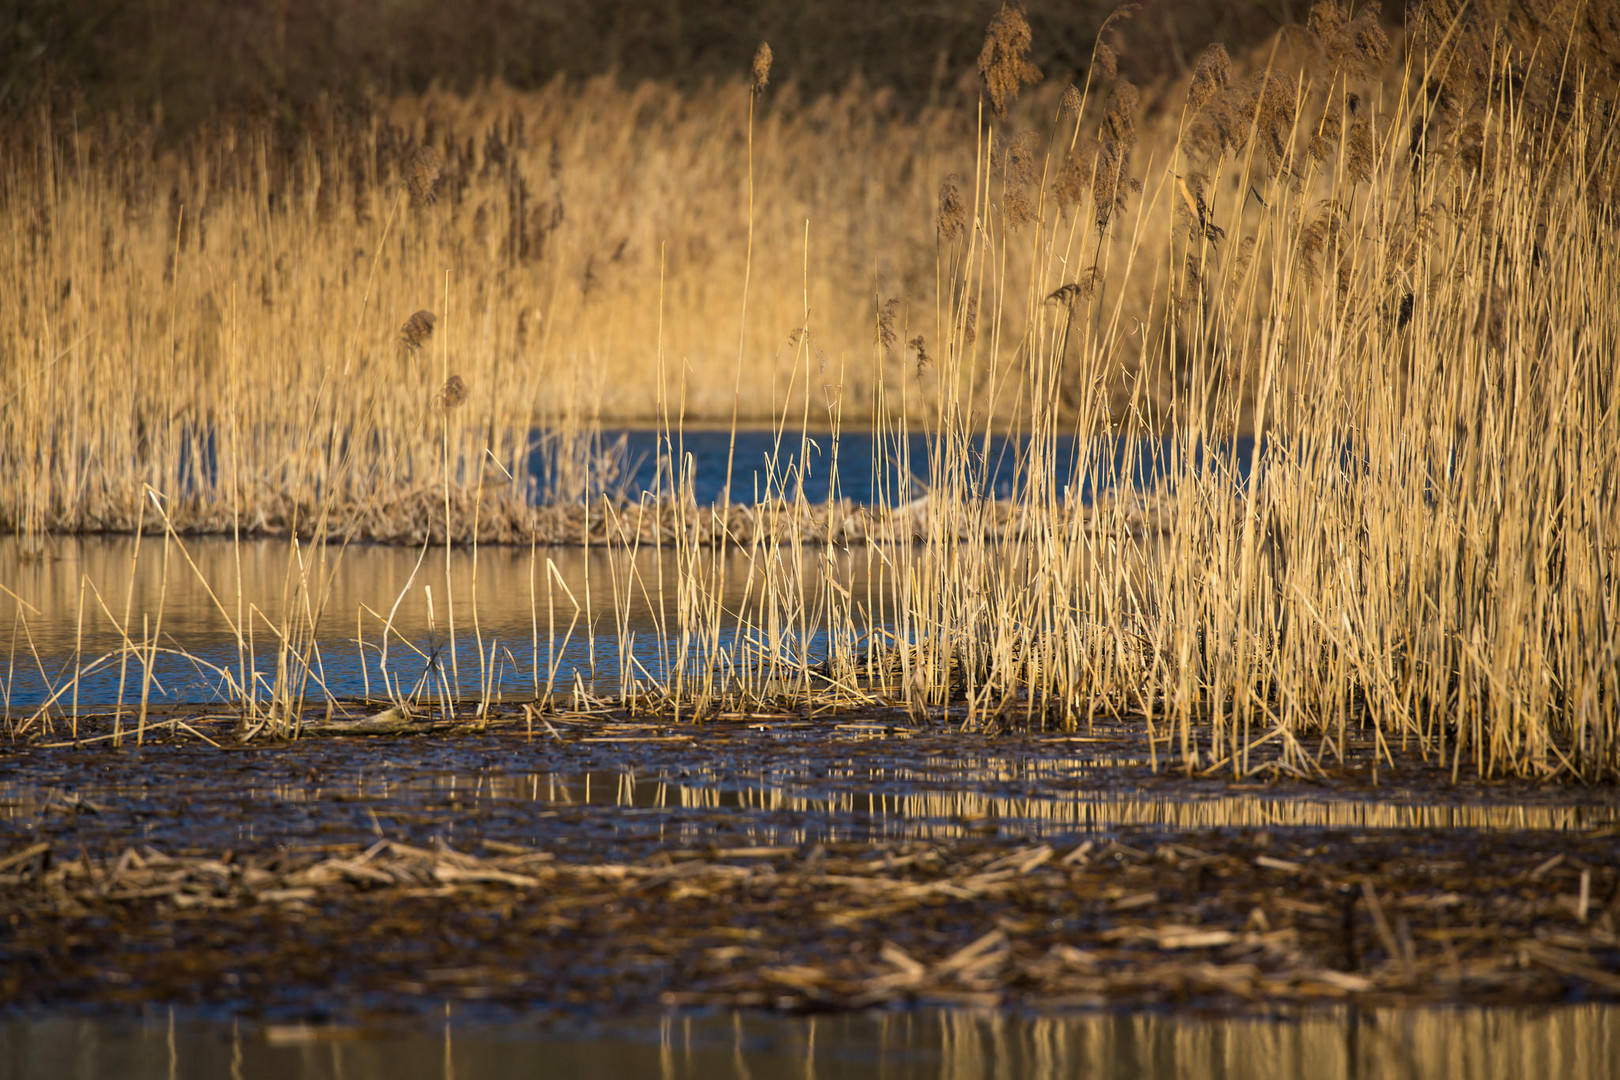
column 1342, row 309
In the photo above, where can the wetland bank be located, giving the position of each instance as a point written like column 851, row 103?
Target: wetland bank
column 1062, row 573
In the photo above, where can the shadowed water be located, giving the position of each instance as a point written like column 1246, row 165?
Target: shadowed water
column 779, row 784
column 1576, row 1042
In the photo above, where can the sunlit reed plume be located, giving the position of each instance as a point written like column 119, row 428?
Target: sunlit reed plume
column 762, row 67
column 1004, row 61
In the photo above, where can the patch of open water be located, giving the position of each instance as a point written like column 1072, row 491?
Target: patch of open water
column 535, row 618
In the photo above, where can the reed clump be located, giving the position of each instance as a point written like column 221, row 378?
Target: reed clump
column 1342, row 304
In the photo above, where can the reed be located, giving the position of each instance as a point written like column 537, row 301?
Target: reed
column 1365, row 285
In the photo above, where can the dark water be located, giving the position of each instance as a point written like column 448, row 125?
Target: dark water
column 769, row 784
column 1578, row 1042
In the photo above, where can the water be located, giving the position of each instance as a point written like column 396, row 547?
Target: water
column 567, row 614
column 1578, row 1042
column 553, row 612
column 527, row 621
column 874, row 468
column 780, row 783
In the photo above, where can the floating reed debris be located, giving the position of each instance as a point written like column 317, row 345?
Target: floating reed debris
column 1164, row 919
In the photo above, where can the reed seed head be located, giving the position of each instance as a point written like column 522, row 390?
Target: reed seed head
column 885, row 336
column 1240, row 269
column 1355, row 44
column 417, row 330
column 1314, row 239
column 453, row 393
column 952, row 217
column 1105, row 62
column 1210, row 77
column 1019, row 173
column 1358, row 151
column 1064, row 294
column 1074, row 177
column 1004, row 61
column 1119, row 117
column 1111, row 183
column 1069, row 106
column 422, row 173
column 762, row 67
column 918, row 346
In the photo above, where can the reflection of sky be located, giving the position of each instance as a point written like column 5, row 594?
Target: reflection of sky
column 80, row 589
column 562, row 606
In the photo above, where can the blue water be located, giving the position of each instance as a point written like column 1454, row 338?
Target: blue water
column 873, row 468
column 522, row 627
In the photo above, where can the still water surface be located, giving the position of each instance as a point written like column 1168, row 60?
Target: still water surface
column 1578, row 1042
column 528, row 619
column 537, row 618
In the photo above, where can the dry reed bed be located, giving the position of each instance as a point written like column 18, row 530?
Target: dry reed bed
column 1395, row 260
column 242, row 314
column 1221, row 919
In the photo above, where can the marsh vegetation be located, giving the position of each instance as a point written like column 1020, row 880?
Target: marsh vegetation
column 1351, row 292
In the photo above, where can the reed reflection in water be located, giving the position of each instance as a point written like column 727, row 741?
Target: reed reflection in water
column 1572, row 1042
column 542, row 614
column 940, row 799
